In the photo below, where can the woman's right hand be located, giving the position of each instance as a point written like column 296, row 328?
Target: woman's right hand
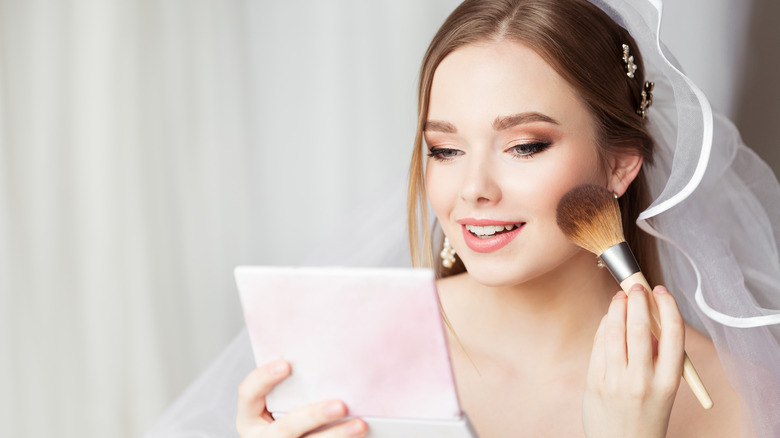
column 254, row 420
column 632, row 383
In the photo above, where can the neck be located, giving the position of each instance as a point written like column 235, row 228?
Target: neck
column 550, row 319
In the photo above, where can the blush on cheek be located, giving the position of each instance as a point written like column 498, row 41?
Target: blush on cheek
column 441, row 197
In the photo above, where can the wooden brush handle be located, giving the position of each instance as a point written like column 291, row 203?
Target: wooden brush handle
column 689, row 372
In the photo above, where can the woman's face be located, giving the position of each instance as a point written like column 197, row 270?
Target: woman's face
column 507, row 138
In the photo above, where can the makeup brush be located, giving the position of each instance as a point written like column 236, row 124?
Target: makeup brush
column 589, row 216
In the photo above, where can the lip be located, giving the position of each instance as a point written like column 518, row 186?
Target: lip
column 484, row 222
column 490, row 244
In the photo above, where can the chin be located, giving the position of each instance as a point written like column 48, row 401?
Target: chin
column 494, row 281
column 497, row 275
column 510, row 271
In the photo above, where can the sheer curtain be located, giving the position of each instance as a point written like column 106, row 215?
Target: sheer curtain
column 146, row 148
column 125, row 181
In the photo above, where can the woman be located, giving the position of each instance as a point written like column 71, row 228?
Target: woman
column 518, row 114
column 520, row 101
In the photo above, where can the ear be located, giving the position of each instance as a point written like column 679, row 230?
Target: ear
column 623, row 168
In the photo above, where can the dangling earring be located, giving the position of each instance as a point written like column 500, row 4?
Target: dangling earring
column 447, row 254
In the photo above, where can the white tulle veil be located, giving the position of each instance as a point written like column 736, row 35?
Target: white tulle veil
column 716, row 211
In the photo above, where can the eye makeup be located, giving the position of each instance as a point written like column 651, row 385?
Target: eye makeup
column 528, row 150
column 443, row 154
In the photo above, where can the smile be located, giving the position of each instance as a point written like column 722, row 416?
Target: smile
column 490, row 230
column 489, row 238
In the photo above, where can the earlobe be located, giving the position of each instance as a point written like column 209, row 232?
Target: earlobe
column 624, row 169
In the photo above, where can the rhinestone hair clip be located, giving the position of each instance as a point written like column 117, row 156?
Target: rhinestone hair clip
column 629, row 61
column 647, row 89
column 647, row 99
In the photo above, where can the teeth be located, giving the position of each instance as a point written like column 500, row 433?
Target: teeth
column 489, row 230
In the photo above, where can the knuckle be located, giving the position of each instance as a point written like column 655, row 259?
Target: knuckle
column 611, row 388
column 638, row 328
column 675, row 324
column 667, row 389
column 256, row 384
column 638, row 391
column 671, row 333
column 613, row 332
column 281, row 428
column 637, row 295
column 667, row 392
column 246, row 391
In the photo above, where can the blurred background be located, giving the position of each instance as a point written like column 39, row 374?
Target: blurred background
column 149, row 146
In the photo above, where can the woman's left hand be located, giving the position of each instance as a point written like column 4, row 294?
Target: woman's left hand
column 632, row 381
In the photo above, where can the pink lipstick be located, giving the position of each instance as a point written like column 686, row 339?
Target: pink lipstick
column 491, row 243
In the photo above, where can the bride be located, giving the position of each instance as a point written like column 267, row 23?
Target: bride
column 519, row 102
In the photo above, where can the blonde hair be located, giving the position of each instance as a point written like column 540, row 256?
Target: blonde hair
column 584, row 46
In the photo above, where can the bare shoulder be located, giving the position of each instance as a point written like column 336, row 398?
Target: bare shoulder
column 688, row 418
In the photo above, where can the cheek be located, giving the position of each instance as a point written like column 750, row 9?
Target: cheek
column 557, row 177
column 440, row 193
column 580, row 167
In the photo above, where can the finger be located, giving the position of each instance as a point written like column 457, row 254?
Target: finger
column 639, row 343
column 309, row 418
column 352, row 428
column 615, row 337
column 597, row 356
column 671, row 346
column 254, row 388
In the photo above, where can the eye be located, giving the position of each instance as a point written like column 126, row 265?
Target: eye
column 527, row 150
column 443, row 154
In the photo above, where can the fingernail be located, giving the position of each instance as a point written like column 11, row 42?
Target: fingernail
column 661, row 290
column 356, row 429
column 637, row 288
column 279, row 368
column 619, row 295
column 334, row 410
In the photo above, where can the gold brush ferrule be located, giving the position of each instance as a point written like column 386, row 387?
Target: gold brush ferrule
column 620, row 261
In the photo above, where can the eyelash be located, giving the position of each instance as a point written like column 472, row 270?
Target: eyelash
column 535, row 148
column 439, row 154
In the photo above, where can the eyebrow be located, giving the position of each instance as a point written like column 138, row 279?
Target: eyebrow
column 440, row 126
column 506, row 122
column 499, row 124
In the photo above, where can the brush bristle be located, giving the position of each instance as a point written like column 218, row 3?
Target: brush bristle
column 589, row 216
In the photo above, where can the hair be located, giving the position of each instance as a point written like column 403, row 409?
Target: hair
column 584, row 46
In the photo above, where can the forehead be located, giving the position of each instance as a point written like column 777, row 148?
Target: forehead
column 488, row 79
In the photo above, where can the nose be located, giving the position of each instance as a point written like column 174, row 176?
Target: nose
column 480, row 185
